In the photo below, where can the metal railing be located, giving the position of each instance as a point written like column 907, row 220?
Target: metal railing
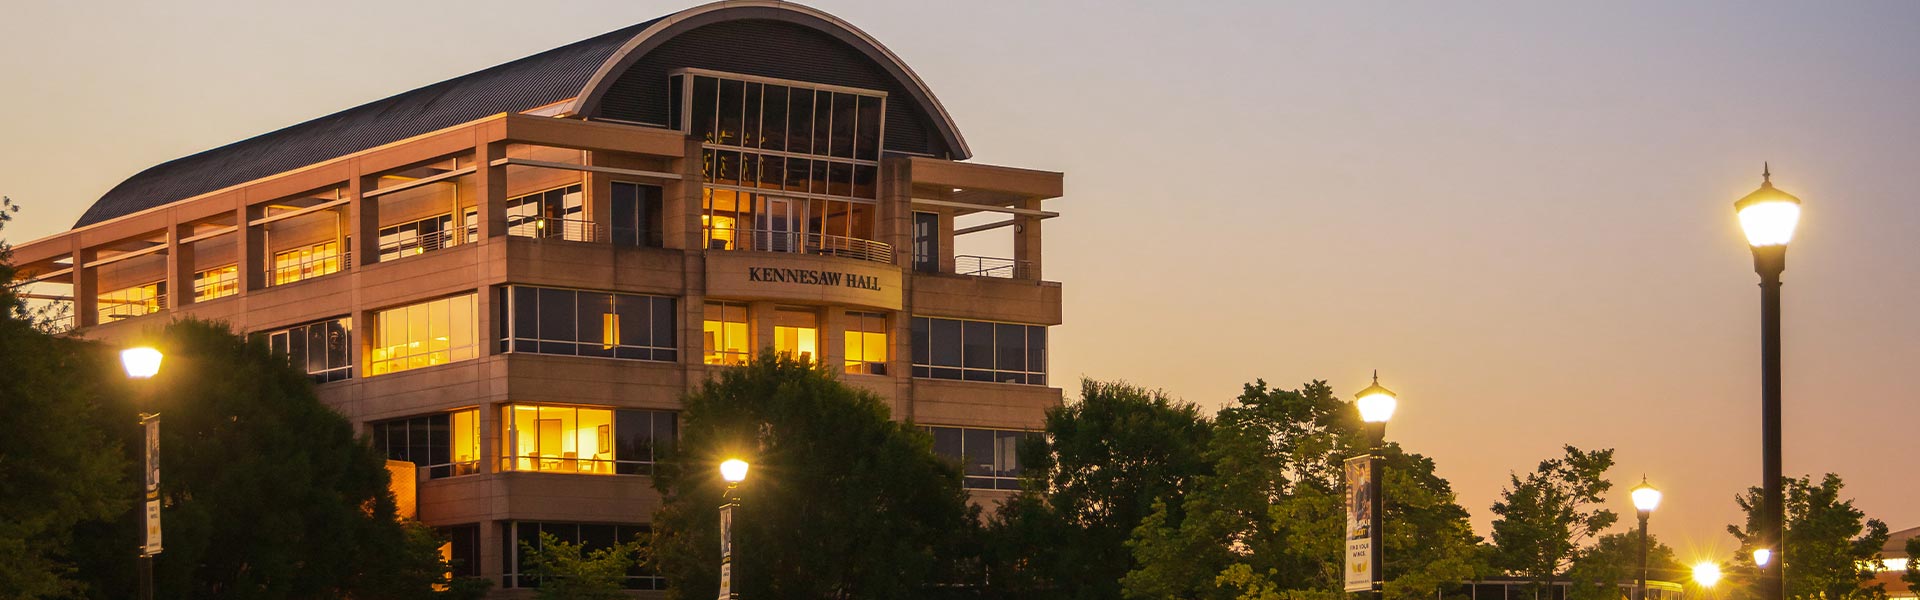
column 988, row 266
column 796, row 242
column 420, row 244
column 549, row 228
column 113, row 310
column 308, row 268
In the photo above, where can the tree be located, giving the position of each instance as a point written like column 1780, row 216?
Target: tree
column 1829, row 544
column 843, row 502
column 266, row 491
column 569, row 571
column 59, row 468
column 1543, row 520
column 1269, row 519
column 1613, row 560
column 1912, row 577
column 1093, row 478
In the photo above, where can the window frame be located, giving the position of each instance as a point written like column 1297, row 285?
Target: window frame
column 928, row 362
column 513, row 340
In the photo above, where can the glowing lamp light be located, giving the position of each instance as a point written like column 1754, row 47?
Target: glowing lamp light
column 1645, row 497
column 1762, row 556
column 141, row 363
column 1706, row 574
column 1768, row 215
column 1376, row 403
column 734, row 470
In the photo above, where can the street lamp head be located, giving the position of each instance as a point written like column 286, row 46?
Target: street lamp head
column 1706, row 574
column 734, row 471
column 1376, row 403
column 1645, row 497
column 1762, row 556
column 141, row 362
column 1768, row 215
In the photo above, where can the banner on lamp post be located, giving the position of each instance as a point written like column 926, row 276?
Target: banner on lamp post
column 1361, row 535
column 152, row 498
column 726, row 551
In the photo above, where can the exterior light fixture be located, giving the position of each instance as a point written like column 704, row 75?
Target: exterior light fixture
column 1769, row 216
column 1645, row 498
column 1762, row 556
column 1376, row 403
column 1706, row 574
column 140, row 363
column 734, row 471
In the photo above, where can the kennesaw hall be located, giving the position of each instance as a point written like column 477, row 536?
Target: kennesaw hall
column 509, row 279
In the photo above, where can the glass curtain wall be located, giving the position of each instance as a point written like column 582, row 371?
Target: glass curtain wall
column 583, row 440
column 979, row 351
column 322, row 349
column 434, row 332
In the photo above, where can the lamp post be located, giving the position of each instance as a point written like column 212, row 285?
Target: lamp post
column 1645, row 499
column 144, row 363
column 1376, row 404
column 733, row 471
column 1768, row 217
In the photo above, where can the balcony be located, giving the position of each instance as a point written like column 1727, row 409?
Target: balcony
column 796, row 242
column 988, row 266
column 550, row 228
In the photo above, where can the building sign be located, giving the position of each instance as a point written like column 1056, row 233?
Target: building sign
column 813, row 277
column 804, row 279
column 152, row 424
column 1361, row 535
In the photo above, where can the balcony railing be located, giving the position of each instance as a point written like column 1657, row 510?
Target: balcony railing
column 799, row 243
column 548, row 228
column 309, row 267
column 420, row 244
column 988, row 266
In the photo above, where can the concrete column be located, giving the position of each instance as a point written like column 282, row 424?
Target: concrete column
column 760, row 322
column 598, row 207
column 180, row 266
column 947, row 263
column 490, row 189
column 833, row 338
column 363, row 224
column 681, row 202
column 250, row 249
column 86, row 286
column 893, row 221
column 1026, row 240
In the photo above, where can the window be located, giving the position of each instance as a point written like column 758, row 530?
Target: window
column 979, row 351
column 322, row 349
column 217, row 282
column 435, row 332
column 636, row 215
column 796, row 333
column 443, row 445
column 144, row 299
column 590, row 536
column 926, row 242
column 307, row 262
column 866, row 343
column 991, row 457
column 726, row 333
column 554, row 213
column 461, row 549
column 581, row 323
column 594, row 441
column 425, row 235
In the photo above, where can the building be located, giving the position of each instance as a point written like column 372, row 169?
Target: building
column 1893, row 565
column 508, row 279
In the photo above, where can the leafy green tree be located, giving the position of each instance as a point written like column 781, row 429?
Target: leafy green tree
column 1269, row 520
column 1912, row 577
column 1830, row 545
column 59, row 468
column 569, row 571
column 266, row 491
column 1613, row 560
column 1104, row 463
column 1543, row 520
column 841, row 501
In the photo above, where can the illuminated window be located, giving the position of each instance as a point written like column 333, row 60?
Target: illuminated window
column 979, row 351
column 435, row 332
column 594, row 441
column 425, row 235
column 307, row 262
column 133, row 301
column 555, row 213
column 323, row 350
column 444, row 445
column 216, row 282
column 866, row 343
column 581, row 323
column 726, row 334
column 796, row 333
column 991, row 457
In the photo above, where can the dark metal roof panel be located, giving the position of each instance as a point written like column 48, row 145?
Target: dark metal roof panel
column 517, row 86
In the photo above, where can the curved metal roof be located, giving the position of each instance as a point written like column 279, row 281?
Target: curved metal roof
column 579, row 71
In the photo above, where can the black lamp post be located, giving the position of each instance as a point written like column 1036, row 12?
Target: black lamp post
column 1376, row 404
column 1645, row 499
column 733, row 471
column 144, row 363
column 1768, row 216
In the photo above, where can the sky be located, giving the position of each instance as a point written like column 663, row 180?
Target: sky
column 1520, row 213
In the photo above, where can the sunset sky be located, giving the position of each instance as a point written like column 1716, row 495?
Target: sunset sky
column 1519, row 213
